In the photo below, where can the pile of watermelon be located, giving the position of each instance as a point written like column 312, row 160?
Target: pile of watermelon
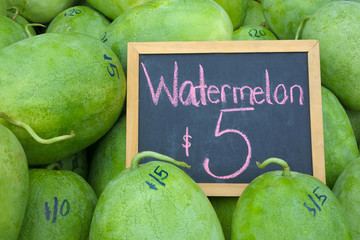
column 63, row 124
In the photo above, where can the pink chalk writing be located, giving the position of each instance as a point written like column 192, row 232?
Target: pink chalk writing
column 218, row 133
column 267, row 82
column 155, row 96
column 276, row 94
column 187, row 142
column 190, row 94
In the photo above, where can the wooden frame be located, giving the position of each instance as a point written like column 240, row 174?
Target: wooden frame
column 311, row 47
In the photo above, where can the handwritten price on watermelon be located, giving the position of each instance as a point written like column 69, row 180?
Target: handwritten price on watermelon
column 113, row 70
column 64, row 209
column 160, row 176
column 321, row 198
column 72, row 12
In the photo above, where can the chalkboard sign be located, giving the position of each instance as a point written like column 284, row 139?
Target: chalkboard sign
column 223, row 106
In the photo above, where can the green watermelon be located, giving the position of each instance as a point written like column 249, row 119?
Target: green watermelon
column 288, row 205
column 114, row 8
column 21, row 21
column 340, row 144
column 347, row 191
column 252, row 32
column 354, row 117
column 11, row 32
column 80, row 19
column 108, row 156
column 236, row 9
column 40, row 11
column 154, row 200
column 68, row 82
column 254, row 14
column 192, row 20
column 284, row 17
column 2, row 7
column 225, row 208
column 336, row 26
column 60, row 206
column 14, row 184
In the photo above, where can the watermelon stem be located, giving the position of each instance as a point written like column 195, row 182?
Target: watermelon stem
column 16, row 12
column 54, row 166
column 32, row 132
column 286, row 171
column 141, row 155
column 32, row 25
column 306, row 18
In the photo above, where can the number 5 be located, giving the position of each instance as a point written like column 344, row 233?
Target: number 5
column 113, row 67
column 160, row 173
column 218, row 133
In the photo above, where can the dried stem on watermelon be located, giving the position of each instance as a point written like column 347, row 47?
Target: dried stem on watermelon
column 32, row 132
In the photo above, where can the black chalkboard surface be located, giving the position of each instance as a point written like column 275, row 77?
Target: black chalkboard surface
column 223, row 106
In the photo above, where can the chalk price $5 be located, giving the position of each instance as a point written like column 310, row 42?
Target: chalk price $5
column 219, row 133
column 281, row 99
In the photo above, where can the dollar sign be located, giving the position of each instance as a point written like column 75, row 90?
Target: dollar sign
column 187, row 142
